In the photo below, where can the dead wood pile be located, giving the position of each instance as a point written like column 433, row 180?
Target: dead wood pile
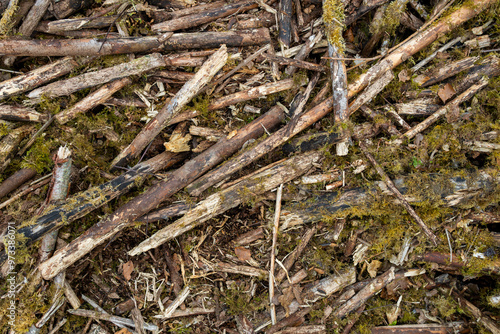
column 290, row 166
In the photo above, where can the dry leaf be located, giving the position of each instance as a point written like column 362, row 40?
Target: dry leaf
column 373, row 268
column 243, row 254
column 446, row 92
column 178, row 143
column 128, row 268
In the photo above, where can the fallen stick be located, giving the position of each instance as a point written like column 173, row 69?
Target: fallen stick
column 204, row 16
column 112, row 318
column 297, row 63
column 252, row 93
column 209, row 40
column 16, row 180
column 273, row 253
column 267, row 179
column 92, row 100
column 181, row 98
column 39, row 76
column 273, row 141
column 150, row 199
column 418, row 42
column 447, row 327
column 71, row 85
column 81, row 46
column 10, row 143
column 285, row 24
column 21, row 114
column 480, row 317
column 51, row 27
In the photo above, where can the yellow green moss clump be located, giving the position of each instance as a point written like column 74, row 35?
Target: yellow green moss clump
column 390, row 19
column 333, row 17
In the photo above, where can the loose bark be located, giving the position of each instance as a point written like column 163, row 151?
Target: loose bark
column 71, row 85
column 423, row 106
column 80, row 47
column 21, row 114
column 142, row 204
column 173, row 210
column 418, row 42
column 16, row 180
column 92, row 100
column 252, row 93
column 229, row 198
column 39, row 76
column 65, row 8
column 183, row 96
column 202, row 17
column 273, row 141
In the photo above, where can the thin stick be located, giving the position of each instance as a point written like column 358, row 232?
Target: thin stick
column 273, row 253
column 400, row 197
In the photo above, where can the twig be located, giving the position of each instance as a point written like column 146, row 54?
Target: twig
column 277, row 214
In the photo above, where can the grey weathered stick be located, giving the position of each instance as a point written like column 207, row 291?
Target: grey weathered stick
column 108, row 317
column 21, row 113
column 400, row 197
column 273, row 252
column 150, row 199
column 267, row 179
column 92, row 100
column 10, row 143
column 71, row 85
column 183, row 96
column 39, row 76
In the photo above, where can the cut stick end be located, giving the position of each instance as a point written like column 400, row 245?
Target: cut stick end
column 342, row 149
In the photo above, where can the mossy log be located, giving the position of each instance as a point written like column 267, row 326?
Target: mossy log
column 450, row 191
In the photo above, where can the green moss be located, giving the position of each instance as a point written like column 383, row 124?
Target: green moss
column 239, row 301
column 333, row 17
column 390, row 19
column 38, row 156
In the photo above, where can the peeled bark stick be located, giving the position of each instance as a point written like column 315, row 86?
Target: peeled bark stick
column 81, row 46
column 371, row 92
column 21, row 114
column 209, row 40
column 183, row 96
column 87, row 201
column 92, row 100
column 58, row 193
column 199, row 18
column 252, row 93
column 449, row 70
column 418, row 42
column 71, row 85
column 444, row 110
column 10, row 143
column 247, row 157
column 364, row 294
column 164, row 15
column 266, row 179
column 399, row 196
column 16, row 180
column 39, row 76
column 297, row 63
column 145, row 202
column 285, row 22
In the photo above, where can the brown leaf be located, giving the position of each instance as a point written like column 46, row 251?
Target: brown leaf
column 128, row 268
column 243, row 254
column 373, row 268
column 446, row 92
